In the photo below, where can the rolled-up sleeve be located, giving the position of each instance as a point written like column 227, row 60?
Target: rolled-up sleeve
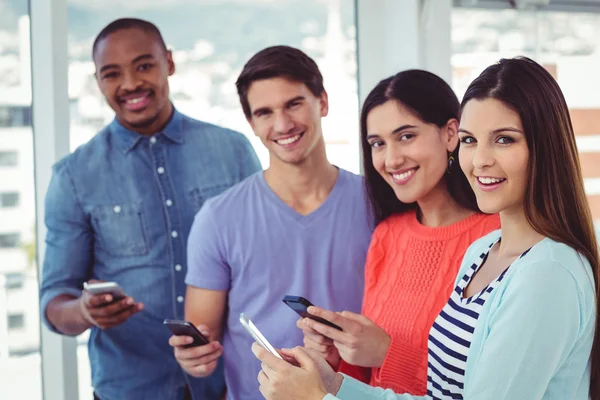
column 68, row 256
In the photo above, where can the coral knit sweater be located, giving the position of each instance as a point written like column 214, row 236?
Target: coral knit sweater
column 409, row 275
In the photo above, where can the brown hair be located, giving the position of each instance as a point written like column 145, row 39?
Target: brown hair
column 555, row 202
column 275, row 62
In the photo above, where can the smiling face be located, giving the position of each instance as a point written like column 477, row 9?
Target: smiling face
column 494, row 155
column 286, row 116
column 409, row 154
column 132, row 69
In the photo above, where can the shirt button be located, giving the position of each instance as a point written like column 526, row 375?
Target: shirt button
column 180, row 299
column 174, row 234
column 169, row 203
column 152, row 140
column 117, row 209
column 178, row 267
column 160, row 170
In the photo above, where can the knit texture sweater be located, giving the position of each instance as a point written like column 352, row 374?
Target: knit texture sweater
column 409, row 275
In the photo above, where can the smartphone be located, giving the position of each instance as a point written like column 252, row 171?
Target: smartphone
column 300, row 305
column 111, row 288
column 185, row 328
column 257, row 336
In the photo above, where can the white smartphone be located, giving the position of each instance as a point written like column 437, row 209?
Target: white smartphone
column 111, row 288
column 257, row 336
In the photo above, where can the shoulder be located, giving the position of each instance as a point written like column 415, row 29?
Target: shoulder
column 238, row 197
column 393, row 224
column 490, row 222
column 207, row 131
column 84, row 155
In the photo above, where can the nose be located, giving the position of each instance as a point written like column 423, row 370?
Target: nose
column 283, row 123
column 130, row 82
column 394, row 158
column 482, row 157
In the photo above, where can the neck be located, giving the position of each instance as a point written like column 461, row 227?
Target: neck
column 298, row 184
column 517, row 233
column 438, row 208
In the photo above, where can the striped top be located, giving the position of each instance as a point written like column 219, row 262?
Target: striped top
column 451, row 334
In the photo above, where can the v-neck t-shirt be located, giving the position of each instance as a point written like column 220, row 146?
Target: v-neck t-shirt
column 250, row 243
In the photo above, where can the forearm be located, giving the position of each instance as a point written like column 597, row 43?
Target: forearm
column 64, row 313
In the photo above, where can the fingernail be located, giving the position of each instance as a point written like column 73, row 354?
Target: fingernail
column 310, row 309
column 108, row 298
column 189, row 340
column 130, row 301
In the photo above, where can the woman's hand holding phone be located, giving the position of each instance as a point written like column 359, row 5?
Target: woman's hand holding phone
column 199, row 361
column 361, row 343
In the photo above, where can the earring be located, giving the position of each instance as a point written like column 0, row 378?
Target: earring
column 451, row 161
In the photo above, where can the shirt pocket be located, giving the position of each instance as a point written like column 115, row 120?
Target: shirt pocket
column 120, row 229
column 199, row 195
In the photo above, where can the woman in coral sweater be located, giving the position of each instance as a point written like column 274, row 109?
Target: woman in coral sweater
column 426, row 215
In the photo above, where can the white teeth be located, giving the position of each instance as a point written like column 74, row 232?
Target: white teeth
column 404, row 175
column 287, row 141
column 135, row 101
column 489, row 181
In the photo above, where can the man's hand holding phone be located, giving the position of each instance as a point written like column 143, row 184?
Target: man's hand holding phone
column 198, row 361
column 361, row 343
column 105, row 309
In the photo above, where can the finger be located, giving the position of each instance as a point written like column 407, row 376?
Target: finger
column 327, row 331
column 112, row 309
column 300, row 355
column 98, row 300
column 318, row 338
column 323, row 349
column 118, row 319
column 262, row 378
column 197, row 352
column 330, row 316
column 269, row 359
column 204, row 360
column 355, row 317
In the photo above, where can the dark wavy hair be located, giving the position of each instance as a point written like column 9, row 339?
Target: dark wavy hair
column 430, row 99
column 555, row 202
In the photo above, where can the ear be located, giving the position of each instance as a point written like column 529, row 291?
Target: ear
column 170, row 62
column 324, row 104
column 450, row 134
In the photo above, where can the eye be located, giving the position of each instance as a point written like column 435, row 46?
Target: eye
column 295, row 104
column 110, row 75
column 376, row 144
column 505, row 140
column 468, row 140
column 259, row 114
column 406, row 136
column 144, row 67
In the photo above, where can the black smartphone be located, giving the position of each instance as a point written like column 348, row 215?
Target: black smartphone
column 300, row 305
column 184, row 328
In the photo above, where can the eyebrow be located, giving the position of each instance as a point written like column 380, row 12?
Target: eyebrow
column 397, row 130
column 135, row 60
column 287, row 104
column 495, row 131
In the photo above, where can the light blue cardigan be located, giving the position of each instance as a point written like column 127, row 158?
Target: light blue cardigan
column 534, row 335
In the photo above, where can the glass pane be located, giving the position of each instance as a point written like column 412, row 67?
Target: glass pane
column 20, row 372
column 564, row 43
column 208, row 60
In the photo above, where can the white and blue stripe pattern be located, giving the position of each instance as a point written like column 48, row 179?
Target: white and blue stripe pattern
column 451, row 334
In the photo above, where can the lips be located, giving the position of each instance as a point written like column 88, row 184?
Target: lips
column 402, row 177
column 488, row 183
column 289, row 140
column 136, row 101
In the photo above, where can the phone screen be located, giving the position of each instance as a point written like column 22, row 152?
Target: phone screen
column 300, row 305
column 185, row 328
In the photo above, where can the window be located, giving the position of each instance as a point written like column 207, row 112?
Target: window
column 9, row 240
column 9, row 199
column 9, row 158
column 14, row 280
column 16, row 321
column 563, row 42
column 15, row 116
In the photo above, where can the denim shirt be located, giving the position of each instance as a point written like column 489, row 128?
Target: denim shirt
column 119, row 209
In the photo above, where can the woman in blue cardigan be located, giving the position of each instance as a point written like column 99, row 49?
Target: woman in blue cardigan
column 522, row 321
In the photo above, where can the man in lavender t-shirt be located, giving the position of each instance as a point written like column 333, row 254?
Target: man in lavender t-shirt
column 301, row 227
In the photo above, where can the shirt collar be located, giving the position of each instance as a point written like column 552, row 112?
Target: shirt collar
column 128, row 139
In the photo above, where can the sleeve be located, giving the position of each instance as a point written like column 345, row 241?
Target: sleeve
column 352, row 389
column 207, row 267
column 539, row 318
column 362, row 374
column 69, row 242
column 403, row 363
column 249, row 163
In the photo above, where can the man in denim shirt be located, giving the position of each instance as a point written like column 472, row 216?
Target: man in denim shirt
column 120, row 209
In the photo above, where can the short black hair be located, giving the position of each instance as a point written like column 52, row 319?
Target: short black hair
column 279, row 61
column 128, row 23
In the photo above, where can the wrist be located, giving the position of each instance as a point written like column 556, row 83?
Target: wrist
column 337, row 383
column 385, row 347
column 84, row 318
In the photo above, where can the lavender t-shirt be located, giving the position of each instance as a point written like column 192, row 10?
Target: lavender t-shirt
column 249, row 242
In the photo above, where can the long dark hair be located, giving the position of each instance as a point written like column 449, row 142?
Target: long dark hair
column 430, row 99
column 555, row 202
